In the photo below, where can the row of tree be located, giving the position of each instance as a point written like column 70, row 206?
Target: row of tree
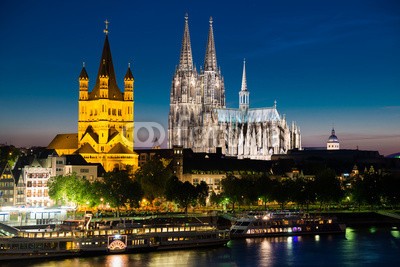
column 155, row 180
column 116, row 188
column 324, row 189
column 119, row 189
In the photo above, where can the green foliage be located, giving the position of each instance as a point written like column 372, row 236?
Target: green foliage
column 327, row 187
column 232, row 190
column 153, row 176
column 69, row 189
column 391, row 189
column 202, row 191
column 118, row 189
column 184, row 194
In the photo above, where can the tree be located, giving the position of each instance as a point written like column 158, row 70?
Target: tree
column 153, row 176
column 264, row 188
column 67, row 189
column 303, row 193
column 327, row 187
column 118, row 189
column 282, row 191
column 184, row 194
column 390, row 189
column 372, row 188
column 202, row 190
column 231, row 188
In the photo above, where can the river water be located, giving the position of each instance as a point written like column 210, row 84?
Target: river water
column 358, row 247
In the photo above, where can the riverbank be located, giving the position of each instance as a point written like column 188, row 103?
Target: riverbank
column 351, row 219
column 357, row 219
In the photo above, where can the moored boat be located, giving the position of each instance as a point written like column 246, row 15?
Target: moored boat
column 284, row 223
column 107, row 237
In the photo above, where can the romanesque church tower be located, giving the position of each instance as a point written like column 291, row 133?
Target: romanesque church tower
column 105, row 116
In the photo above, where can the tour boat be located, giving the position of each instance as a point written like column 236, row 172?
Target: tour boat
column 283, row 223
column 73, row 238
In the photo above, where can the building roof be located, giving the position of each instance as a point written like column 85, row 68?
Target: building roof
column 120, row 149
column 231, row 115
column 64, row 141
column 128, row 75
column 83, row 74
column 19, row 165
column 217, row 162
column 75, row 159
column 106, row 67
column 92, row 133
column 167, row 153
column 333, row 138
column 86, row 149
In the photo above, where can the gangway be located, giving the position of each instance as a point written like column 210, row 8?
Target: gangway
column 6, row 230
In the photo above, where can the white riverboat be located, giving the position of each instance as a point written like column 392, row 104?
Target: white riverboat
column 284, row 223
column 74, row 238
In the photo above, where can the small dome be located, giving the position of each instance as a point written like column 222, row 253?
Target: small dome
column 333, row 138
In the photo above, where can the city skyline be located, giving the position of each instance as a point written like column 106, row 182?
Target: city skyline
column 326, row 64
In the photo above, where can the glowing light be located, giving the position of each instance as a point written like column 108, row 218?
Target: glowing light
column 117, row 236
column 316, row 237
column 395, row 233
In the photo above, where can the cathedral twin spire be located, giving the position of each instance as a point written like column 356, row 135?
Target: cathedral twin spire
column 186, row 58
column 210, row 61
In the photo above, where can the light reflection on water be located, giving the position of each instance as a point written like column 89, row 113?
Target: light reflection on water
column 357, row 247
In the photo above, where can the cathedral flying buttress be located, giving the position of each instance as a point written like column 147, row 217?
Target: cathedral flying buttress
column 199, row 119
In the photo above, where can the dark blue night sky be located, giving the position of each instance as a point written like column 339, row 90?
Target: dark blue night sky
column 325, row 62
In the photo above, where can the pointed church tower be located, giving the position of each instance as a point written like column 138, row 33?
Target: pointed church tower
column 212, row 81
column 105, row 123
column 128, row 84
column 244, row 94
column 185, row 98
column 83, row 84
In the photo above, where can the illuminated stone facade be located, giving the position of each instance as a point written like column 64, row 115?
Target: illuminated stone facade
column 105, row 118
column 105, row 124
column 199, row 119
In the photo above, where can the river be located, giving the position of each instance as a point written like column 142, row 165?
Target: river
column 371, row 246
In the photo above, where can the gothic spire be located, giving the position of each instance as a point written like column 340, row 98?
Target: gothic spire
column 244, row 81
column 186, row 59
column 210, row 61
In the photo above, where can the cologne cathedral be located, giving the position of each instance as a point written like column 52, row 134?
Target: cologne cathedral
column 198, row 117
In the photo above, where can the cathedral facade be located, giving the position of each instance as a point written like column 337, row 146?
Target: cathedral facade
column 105, row 118
column 198, row 117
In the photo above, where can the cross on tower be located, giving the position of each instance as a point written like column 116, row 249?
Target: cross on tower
column 106, row 29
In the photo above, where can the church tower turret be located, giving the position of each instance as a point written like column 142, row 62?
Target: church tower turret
column 128, row 84
column 244, row 94
column 83, row 84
